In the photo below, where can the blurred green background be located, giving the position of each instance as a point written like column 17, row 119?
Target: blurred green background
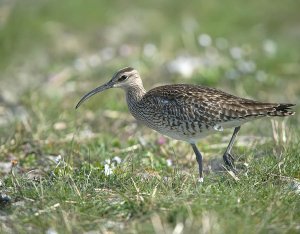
column 54, row 51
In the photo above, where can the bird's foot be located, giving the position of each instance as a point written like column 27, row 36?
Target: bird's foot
column 229, row 162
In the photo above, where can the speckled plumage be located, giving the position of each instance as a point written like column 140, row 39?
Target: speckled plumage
column 189, row 112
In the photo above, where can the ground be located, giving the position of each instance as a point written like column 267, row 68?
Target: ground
column 95, row 169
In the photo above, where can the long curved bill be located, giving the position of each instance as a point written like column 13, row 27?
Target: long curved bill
column 93, row 92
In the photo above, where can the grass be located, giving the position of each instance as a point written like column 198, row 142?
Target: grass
column 60, row 169
column 142, row 198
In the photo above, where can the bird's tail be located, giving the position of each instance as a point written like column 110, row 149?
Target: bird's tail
column 281, row 110
column 261, row 109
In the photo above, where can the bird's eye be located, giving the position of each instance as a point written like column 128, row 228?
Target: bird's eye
column 122, row 78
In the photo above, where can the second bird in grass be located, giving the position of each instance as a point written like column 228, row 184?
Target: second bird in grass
column 189, row 112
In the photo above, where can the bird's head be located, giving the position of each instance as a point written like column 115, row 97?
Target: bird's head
column 124, row 78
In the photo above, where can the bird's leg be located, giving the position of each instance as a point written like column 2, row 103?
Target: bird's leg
column 227, row 157
column 199, row 160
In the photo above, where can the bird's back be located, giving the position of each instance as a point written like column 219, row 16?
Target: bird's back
column 185, row 111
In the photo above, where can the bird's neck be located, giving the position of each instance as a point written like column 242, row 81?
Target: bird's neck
column 134, row 94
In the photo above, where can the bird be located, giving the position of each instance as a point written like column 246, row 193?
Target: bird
column 188, row 112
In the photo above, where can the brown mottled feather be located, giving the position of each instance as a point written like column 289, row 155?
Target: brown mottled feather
column 190, row 112
column 210, row 104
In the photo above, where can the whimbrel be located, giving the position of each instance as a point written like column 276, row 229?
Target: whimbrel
column 189, row 112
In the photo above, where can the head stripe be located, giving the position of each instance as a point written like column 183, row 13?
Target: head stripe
column 125, row 69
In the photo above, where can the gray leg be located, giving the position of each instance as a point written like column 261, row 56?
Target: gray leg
column 199, row 160
column 227, row 157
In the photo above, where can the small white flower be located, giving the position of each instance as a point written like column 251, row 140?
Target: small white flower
column 125, row 50
column 236, row 52
column 169, row 162
column 80, row 64
column 270, row 47
column 149, row 50
column 117, row 159
column 94, row 60
column 51, row 231
column 107, row 170
column 261, row 76
column 57, row 159
column 246, row 66
column 204, row 40
column 107, row 53
column 184, row 65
